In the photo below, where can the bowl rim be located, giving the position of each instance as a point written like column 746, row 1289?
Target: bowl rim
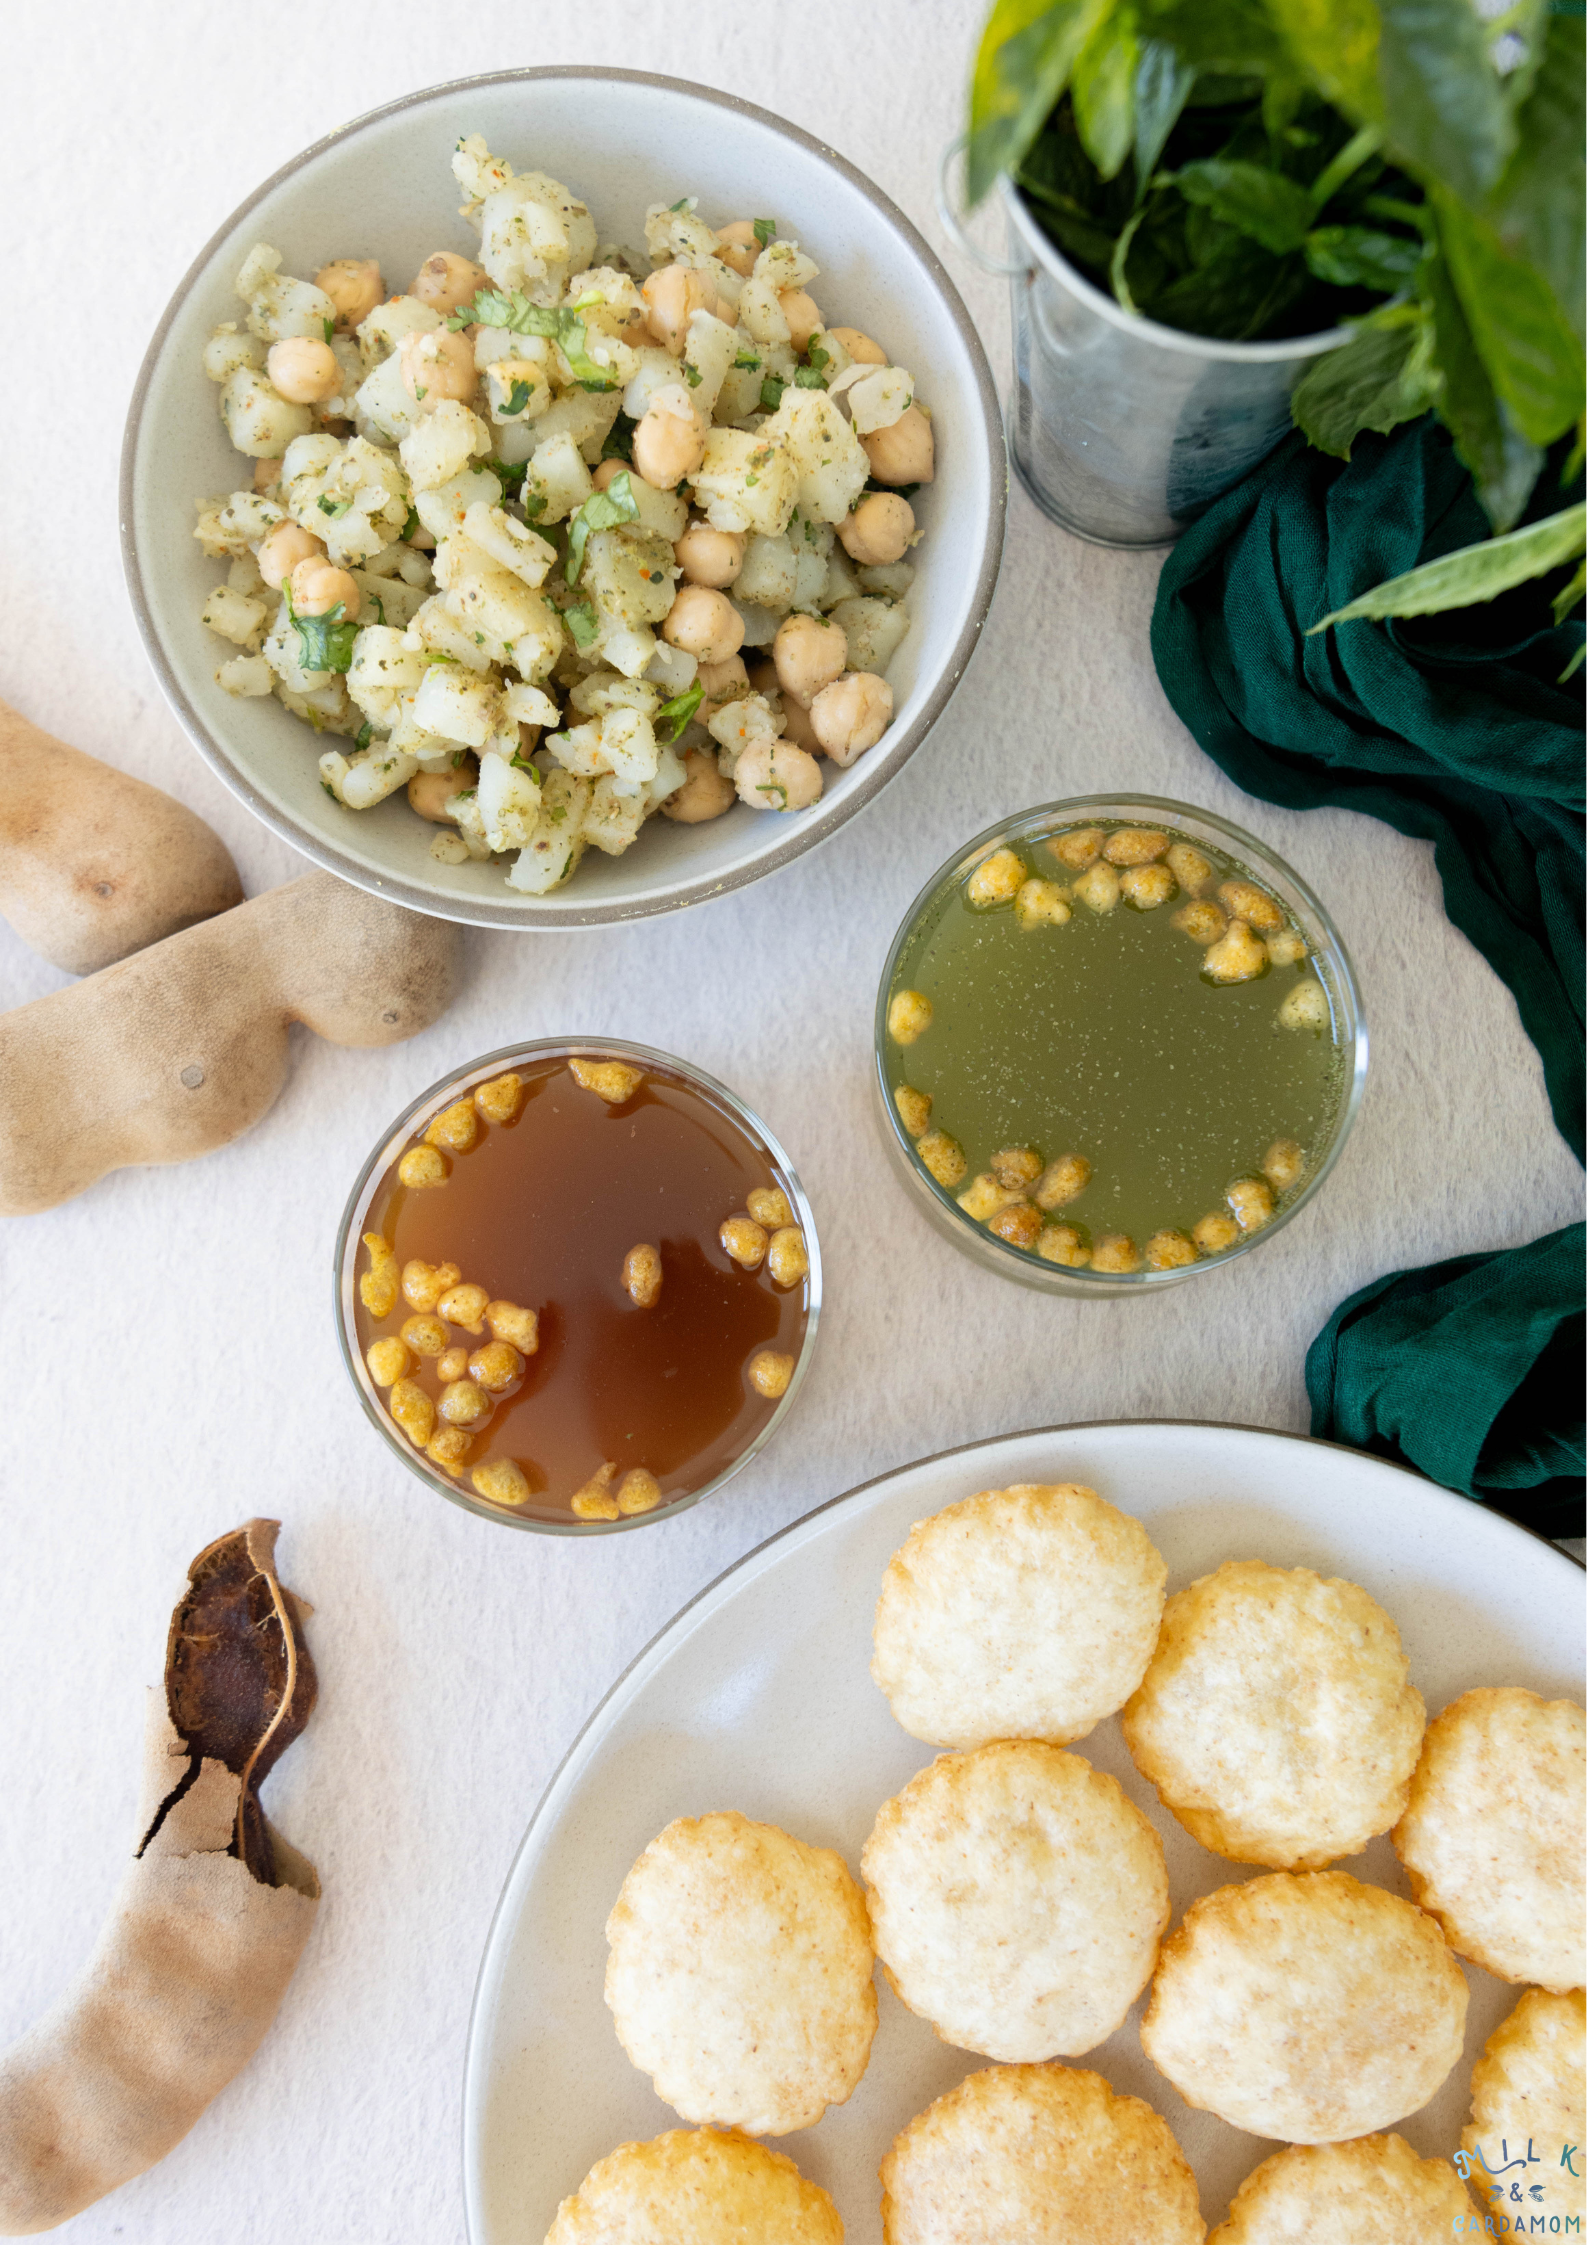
column 532, row 915
column 344, row 1275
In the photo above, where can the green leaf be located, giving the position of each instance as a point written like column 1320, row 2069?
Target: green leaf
column 1568, row 595
column 561, row 325
column 1217, row 38
column 619, row 440
column 1537, row 208
column 1361, row 257
column 517, row 398
column 324, row 642
column 582, row 621
column 747, row 360
column 413, row 523
column 1532, row 354
column 1378, row 379
column 1163, row 80
column 602, row 510
column 771, row 391
column 1027, row 53
column 364, row 735
column 1273, row 210
column 1104, row 92
column 1503, row 465
column 677, row 713
column 765, row 231
column 1442, row 98
column 1335, row 42
column 1473, row 573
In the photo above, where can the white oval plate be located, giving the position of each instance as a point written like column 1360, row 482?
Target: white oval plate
column 758, row 1697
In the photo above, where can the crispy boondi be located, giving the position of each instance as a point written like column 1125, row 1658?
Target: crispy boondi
column 1028, row 1612
column 1276, row 1718
column 1528, row 2091
column 1017, row 1898
column 1347, row 2194
column 1306, row 2006
column 740, row 1974
column 1494, row 1831
column 696, row 2187
column 1038, row 2155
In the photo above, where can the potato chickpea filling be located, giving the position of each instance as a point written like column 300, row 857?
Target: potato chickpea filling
column 508, row 523
column 597, row 1308
column 1111, row 1048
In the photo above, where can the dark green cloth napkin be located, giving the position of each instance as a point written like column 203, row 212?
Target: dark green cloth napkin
column 1470, row 1370
column 1450, row 727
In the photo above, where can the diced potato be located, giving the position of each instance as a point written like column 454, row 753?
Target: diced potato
column 517, row 389
column 785, row 265
column 498, row 534
column 874, row 631
column 458, row 706
column 553, row 854
column 585, row 416
column 746, row 482
column 382, row 333
column 246, row 676
column 760, row 314
column 363, row 781
column 443, row 444
column 614, row 818
column 557, row 482
column 533, row 234
column 828, row 458
column 227, row 350
column 259, row 421
column 383, row 670
column 770, row 574
column 630, row 574
column 278, row 305
column 663, row 512
column 382, row 404
column 442, row 509
column 709, row 349
column 236, row 616
column 508, row 795
column 436, row 630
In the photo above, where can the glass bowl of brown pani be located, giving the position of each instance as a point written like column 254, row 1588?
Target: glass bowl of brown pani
column 577, row 1286
column 1119, row 1044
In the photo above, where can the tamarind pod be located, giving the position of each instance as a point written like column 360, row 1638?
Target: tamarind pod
column 95, row 864
column 182, row 1047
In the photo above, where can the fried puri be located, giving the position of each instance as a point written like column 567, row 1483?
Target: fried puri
column 695, row 2187
column 1277, row 1719
column 1017, row 1899
column 1306, row 2006
column 1527, row 2088
column 740, row 1974
column 1344, row 2194
column 1028, row 1612
column 1493, row 1834
column 1035, row 2155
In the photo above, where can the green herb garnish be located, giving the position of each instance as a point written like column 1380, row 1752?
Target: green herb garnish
column 324, row 642
column 765, row 231
column 582, row 621
column 602, row 510
column 619, row 440
column 364, row 735
column 746, row 359
column 517, row 398
column 413, row 523
column 809, row 378
column 691, row 375
column 335, row 508
column 329, row 327
column 678, row 712
column 771, row 391
column 514, row 312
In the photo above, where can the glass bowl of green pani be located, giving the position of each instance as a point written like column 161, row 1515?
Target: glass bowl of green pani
column 1118, row 1043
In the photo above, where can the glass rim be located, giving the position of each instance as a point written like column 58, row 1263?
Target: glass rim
column 1001, row 1254
column 348, row 1235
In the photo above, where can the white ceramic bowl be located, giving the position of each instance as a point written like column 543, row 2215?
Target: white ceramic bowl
column 383, row 187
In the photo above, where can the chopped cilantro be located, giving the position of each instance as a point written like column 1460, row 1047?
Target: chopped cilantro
column 324, row 642
column 364, row 735
column 809, row 378
column 521, row 763
column 746, row 359
column 329, row 327
column 465, row 795
column 459, row 758
column 422, row 393
column 680, row 710
column 765, row 231
column 816, row 356
column 335, row 508
column 517, row 398
column 413, row 523
column 380, row 609
column 509, row 477
column 583, row 622
column 434, row 655
column 774, row 787
column 602, row 510
column 904, row 490
column 502, row 308
column 330, row 791
column 619, row 444
column 682, row 203
column 691, row 375
column 751, row 479
column 771, row 391
column 558, row 813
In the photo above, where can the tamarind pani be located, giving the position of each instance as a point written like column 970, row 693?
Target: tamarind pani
column 582, row 1288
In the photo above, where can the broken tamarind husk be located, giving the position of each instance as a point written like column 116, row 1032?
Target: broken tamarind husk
column 210, row 1919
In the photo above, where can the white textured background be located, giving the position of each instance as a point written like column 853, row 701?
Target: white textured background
column 456, row 1664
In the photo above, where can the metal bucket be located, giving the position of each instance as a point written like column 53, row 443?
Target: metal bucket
column 1122, row 430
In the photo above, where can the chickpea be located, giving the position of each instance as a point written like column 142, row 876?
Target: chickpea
column 642, row 1276
column 1306, row 1007
column 463, row 1404
column 803, row 315
column 1040, row 904
column 452, row 1363
column 281, row 549
column 448, row 1448
column 423, row 1284
column 1115, row 1251
column 705, row 794
column 608, row 472
column 914, row 1108
column 852, row 714
column 437, row 365
column 1169, row 1251
column 1098, row 887
column 1146, row 886
column 1078, row 850
column 1251, row 1199
column 501, row 1481
column 1062, row 1243
column 879, row 530
column 704, row 624
column 508, row 1322
column 422, row 1166
column 786, row 1257
column 737, row 246
column 908, row 1016
column 809, row 653
column 1019, row 1224
column 1213, row 1234
column 354, row 286
column 943, row 1157
column 716, row 683
column 1203, row 921
column 446, row 282
column 672, row 297
column 1062, row 1181
column 983, row 1198
column 387, row 1359
column 770, row 1372
column 304, row 371
column 498, row 1102
column 594, row 1501
column 798, row 731
column 1243, row 900
column 997, row 880
column 669, row 445
column 769, row 1205
column 1189, row 868
column 266, row 474
column 318, row 586
column 413, row 1411
column 859, row 346
column 904, row 453
column 455, row 1127
column 1287, row 948
column 615, row 1081
column 377, row 1289
column 1237, row 956
column 465, row 1306
column 710, row 557
column 1283, row 1165
column 745, row 1241
column 638, row 1491
column 426, row 1334
column 1016, row 1167
column 432, row 794
column 1134, row 845
column 495, row 1367
column 776, row 776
